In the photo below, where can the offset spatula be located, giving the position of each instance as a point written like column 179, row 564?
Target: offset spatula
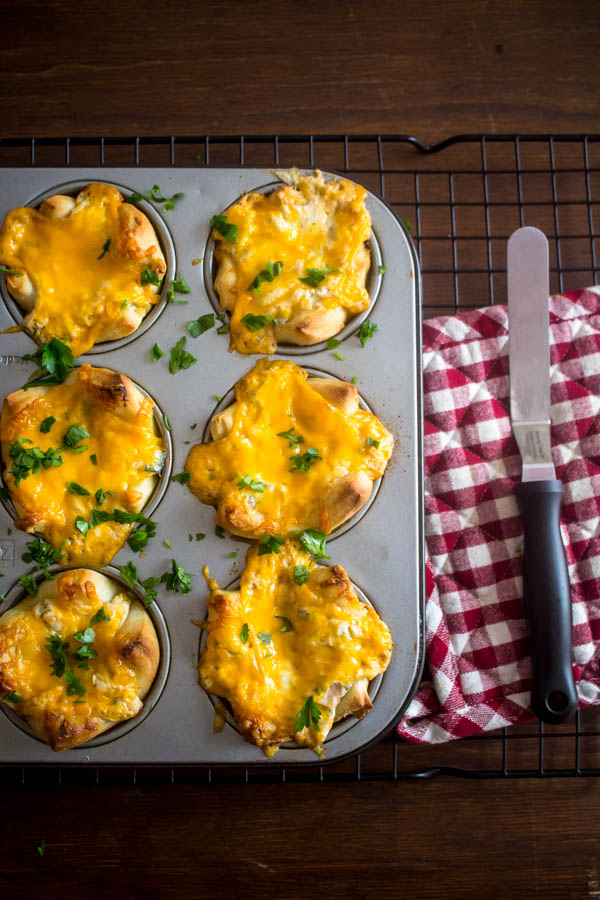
column 545, row 575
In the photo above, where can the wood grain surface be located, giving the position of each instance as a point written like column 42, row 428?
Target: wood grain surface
column 427, row 68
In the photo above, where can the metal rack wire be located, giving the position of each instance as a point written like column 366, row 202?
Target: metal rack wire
column 461, row 199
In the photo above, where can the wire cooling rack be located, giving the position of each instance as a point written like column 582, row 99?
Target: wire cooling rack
column 461, row 199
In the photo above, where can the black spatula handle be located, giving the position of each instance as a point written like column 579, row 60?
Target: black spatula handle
column 547, row 601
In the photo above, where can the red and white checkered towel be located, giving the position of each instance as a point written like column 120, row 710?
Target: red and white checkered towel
column 477, row 647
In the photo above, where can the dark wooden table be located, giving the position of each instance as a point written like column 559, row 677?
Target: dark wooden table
column 426, row 68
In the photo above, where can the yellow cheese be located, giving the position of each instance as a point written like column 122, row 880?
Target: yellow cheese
column 301, row 640
column 274, row 397
column 111, row 687
column 79, row 288
column 127, row 451
column 315, row 224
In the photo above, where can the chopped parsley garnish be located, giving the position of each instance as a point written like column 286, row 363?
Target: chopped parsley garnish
column 101, row 495
column 155, row 194
column 12, row 697
column 31, row 460
column 291, row 437
column 42, row 554
column 226, row 229
column 29, row 583
column 156, row 353
column 73, row 436
column 167, row 544
column 181, row 477
column 301, row 574
column 105, row 248
column 265, row 637
column 99, row 516
column 314, row 277
column 54, row 359
column 129, row 573
column 366, row 331
column 94, row 459
column 47, row 424
column 371, row 442
column 180, row 285
column 81, row 525
column 223, row 329
column 8, row 271
column 85, row 637
column 75, row 488
column 354, row 379
column 270, row 544
column 74, row 685
column 198, row 326
column 265, row 275
column 408, row 225
column 233, row 554
column 219, row 531
column 100, row 616
column 382, row 269
column 149, row 276
column 302, row 462
column 56, row 648
column 339, row 355
column 180, row 358
column 200, row 536
column 309, row 714
column 255, row 323
column 177, row 579
column 314, row 541
column 166, row 421
column 244, row 631
column 252, row 483
column 286, row 624
column 140, row 537
column 332, row 343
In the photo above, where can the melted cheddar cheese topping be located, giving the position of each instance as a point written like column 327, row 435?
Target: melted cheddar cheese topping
column 122, row 454
column 79, row 285
column 276, row 397
column 311, row 225
column 111, row 687
column 275, row 643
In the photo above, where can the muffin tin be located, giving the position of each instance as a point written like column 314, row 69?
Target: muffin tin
column 381, row 547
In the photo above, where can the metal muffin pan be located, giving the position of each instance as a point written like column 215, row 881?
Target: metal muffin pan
column 382, row 551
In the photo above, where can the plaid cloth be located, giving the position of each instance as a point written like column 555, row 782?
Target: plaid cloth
column 477, row 646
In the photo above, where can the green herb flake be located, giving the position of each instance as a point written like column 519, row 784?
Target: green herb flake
column 408, row 225
column 81, row 525
column 248, row 482
column 301, row 574
column 179, row 358
column 166, row 421
column 254, row 323
column 291, row 437
column 168, row 544
column 177, row 580
column 156, row 353
column 180, row 285
column 226, row 229
column 55, row 359
column 302, row 462
column 314, row 541
column 74, row 685
column 339, row 356
column 155, row 194
column 233, row 554
column 198, row 326
column 181, row 477
column 244, row 632
column 332, row 343
column 94, row 459
column 12, row 697
column 42, row 554
column 105, row 248
column 286, row 624
column 265, row 276
column 219, row 531
column 270, row 543
column 265, row 637
column 73, row 436
column 371, row 442
column 354, row 379
column 314, row 277
column 8, row 271
column 149, row 276
column 75, row 488
column 99, row 616
column 47, row 424
column 382, row 269
column 200, row 536
column 366, row 331
column 56, row 648
column 130, row 574
column 308, row 714
column 42, row 846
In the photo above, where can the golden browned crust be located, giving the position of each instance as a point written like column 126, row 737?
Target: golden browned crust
column 136, row 240
column 69, row 600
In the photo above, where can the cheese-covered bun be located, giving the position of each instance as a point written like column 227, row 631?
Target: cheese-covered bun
column 292, row 264
column 85, row 268
column 77, row 658
column 292, row 452
column 293, row 650
column 80, row 460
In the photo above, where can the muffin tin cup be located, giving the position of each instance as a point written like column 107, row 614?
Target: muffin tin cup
column 380, row 548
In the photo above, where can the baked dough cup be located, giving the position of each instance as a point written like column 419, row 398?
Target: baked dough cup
column 121, row 457
column 291, row 658
column 115, row 671
column 292, row 452
column 306, row 225
column 80, row 263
